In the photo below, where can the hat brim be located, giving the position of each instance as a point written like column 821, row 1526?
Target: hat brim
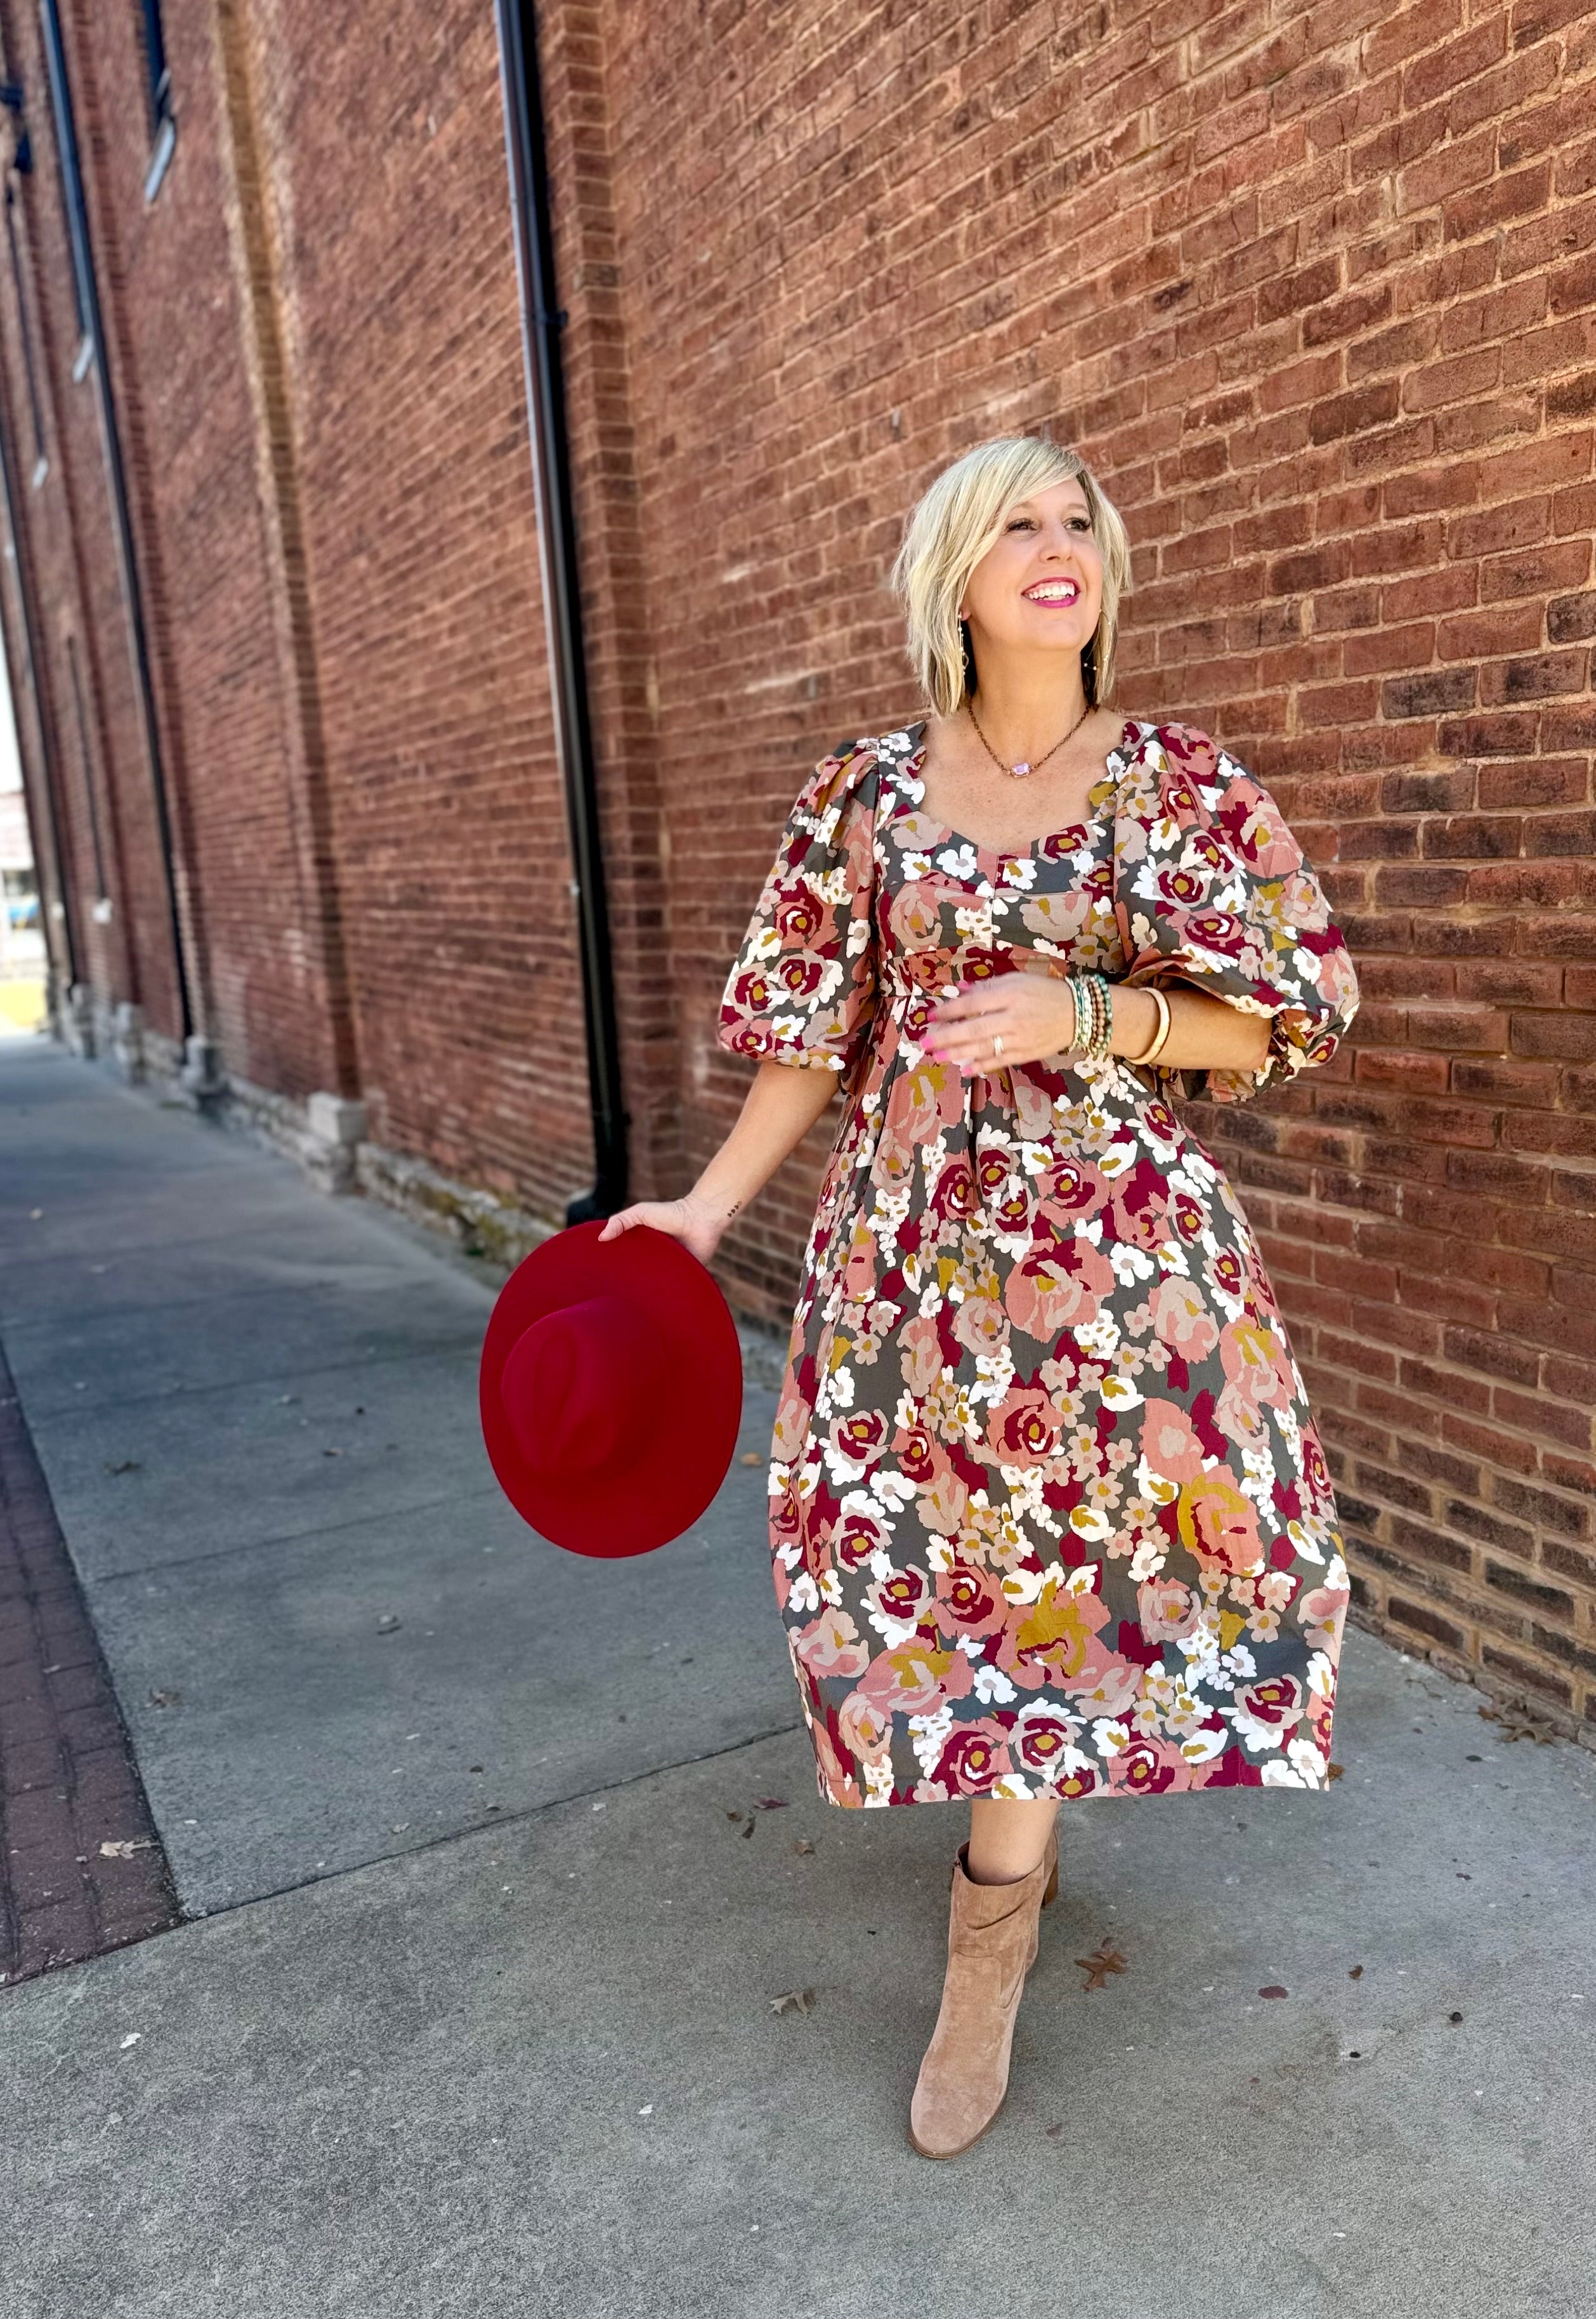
column 676, row 1453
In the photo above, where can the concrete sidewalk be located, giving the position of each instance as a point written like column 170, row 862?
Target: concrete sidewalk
column 473, row 2013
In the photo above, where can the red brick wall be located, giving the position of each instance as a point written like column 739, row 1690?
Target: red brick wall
column 1314, row 291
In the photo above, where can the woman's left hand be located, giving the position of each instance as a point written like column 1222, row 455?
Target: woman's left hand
column 1033, row 1015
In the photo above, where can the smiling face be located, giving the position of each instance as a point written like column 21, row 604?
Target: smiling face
column 1040, row 587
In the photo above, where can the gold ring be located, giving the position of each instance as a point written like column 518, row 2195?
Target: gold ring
column 996, row 1044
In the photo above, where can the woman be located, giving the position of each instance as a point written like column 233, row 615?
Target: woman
column 1049, row 1515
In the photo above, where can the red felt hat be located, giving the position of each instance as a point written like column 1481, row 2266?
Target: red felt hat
column 611, row 1389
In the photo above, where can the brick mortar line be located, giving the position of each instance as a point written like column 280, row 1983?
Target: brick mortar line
column 69, row 1781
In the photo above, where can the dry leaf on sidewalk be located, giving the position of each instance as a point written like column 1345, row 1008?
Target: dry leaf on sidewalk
column 1106, row 1959
column 123, row 1848
column 793, row 2000
column 1518, row 1726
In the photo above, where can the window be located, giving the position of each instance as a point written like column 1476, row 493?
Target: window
column 163, row 128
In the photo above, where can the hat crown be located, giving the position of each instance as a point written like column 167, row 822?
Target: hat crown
column 578, row 1381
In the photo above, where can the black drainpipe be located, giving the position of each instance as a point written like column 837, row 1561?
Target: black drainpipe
column 88, row 292
column 541, row 322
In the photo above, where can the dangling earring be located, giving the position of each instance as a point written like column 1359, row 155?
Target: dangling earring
column 968, row 651
column 1088, row 670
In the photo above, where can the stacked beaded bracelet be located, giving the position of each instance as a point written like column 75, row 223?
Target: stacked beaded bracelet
column 1093, row 1014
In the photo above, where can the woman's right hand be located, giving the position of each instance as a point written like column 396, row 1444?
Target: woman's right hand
column 693, row 1221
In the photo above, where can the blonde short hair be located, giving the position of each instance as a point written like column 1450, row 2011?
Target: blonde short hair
column 959, row 517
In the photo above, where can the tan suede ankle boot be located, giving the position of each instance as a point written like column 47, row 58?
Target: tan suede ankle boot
column 992, row 1934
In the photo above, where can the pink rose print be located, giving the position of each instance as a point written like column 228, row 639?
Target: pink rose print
column 861, row 1436
column 1013, row 1212
column 1075, row 1190
column 1260, row 837
column 1187, row 1215
column 859, row 1269
column 915, row 1678
column 914, row 916
column 903, row 1596
column 954, row 1191
column 975, row 1758
column 797, row 915
column 968, row 1603
column 1170, row 1441
column 1024, row 1427
column 787, row 1513
column 992, row 1169
column 793, row 1426
column 1254, row 1360
column 944, row 1500
column 1224, row 1270
column 923, row 1094
column 857, row 1535
column 1239, row 1416
column 915, row 1452
column 1192, row 758
column 1105, row 1682
column 1277, row 1703
column 1181, row 888
column 837, row 1782
column 1219, row 1524
column 980, row 1325
column 1040, row 1740
column 831, row 1645
column 1084, row 1781
column 1167, row 1611
column 1149, row 1766
column 1054, row 1289
column 1138, row 1207
column 1183, row 1320
column 864, row 1725
column 1323, row 1614
column 1217, row 930
column 1049, row 1639
column 922, row 1353
column 1316, row 1477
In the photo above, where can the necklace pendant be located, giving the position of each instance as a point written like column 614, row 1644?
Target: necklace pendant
column 1020, row 770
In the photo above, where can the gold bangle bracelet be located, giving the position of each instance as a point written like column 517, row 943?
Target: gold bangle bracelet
column 1166, row 1017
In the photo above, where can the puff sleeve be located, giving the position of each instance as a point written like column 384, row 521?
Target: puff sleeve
column 1212, row 889
column 802, row 986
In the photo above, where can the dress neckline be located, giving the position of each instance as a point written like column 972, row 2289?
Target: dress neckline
column 1108, row 780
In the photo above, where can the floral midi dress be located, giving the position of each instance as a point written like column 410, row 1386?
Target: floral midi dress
column 1048, row 1516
